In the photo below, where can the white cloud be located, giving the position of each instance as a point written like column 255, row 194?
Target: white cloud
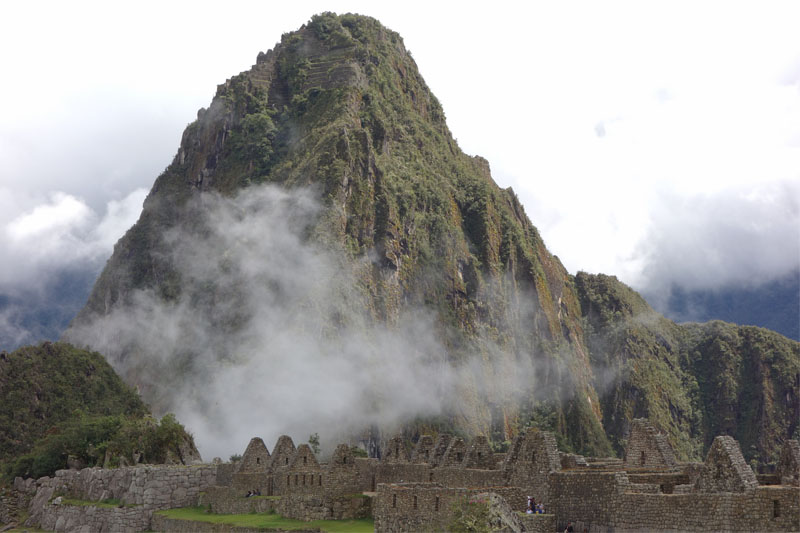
column 61, row 233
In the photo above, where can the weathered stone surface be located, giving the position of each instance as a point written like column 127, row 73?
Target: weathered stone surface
column 725, row 469
column 648, row 447
column 789, row 464
column 256, row 458
column 424, row 450
column 395, row 451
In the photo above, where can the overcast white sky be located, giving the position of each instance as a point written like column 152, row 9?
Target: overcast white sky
column 656, row 141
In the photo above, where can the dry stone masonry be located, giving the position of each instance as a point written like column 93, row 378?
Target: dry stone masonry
column 425, row 488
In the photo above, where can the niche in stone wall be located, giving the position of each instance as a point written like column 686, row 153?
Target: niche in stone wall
column 776, row 508
column 394, row 501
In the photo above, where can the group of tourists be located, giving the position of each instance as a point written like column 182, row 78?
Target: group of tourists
column 533, row 507
column 251, row 493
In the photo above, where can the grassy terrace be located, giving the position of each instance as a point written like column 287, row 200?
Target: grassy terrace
column 269, row 521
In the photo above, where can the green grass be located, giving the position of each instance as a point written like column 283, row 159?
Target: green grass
column 269, row 521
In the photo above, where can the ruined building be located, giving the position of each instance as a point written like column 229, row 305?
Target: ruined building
column 421, row 489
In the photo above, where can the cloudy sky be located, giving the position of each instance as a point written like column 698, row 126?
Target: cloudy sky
column 659, row 142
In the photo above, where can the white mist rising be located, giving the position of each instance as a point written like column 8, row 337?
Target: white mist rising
column 271, row 335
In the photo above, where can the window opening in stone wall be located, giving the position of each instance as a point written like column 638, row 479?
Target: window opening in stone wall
column 776, row 508
column 304, row 480
column 287, row 481
column 397, row 451
column 287, row 460
column 320, row 480
column 479, row 455
column 394, row 501
column 344, row 460
column 430, row 476
column 459, row 457
column 258, row 460
column 295, row 479
column 305, row 460
column 415, row 502
column 436, row 504
column 643, row 458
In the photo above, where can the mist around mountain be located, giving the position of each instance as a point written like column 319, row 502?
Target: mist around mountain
column 320, row 256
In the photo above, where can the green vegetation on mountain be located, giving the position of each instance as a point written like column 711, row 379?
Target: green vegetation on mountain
column 695, row 381
column 339, row 106
column 59, row 401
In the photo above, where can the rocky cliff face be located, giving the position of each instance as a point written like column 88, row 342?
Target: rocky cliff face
column 339, row 108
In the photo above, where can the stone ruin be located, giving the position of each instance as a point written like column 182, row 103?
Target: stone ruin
column 725, row 469
column 256, row 457
column 648, row 447
column 423, row 488
column 789, row 463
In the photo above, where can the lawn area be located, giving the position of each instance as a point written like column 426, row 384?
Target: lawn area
column 270, row 521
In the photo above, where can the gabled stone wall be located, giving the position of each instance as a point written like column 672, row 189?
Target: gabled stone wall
column 533, row 458
column 256, row 458
column 725, row 469
column 479, row 454
column 788, row 469
column 440, row 448
column 424, row 450
column 648, row 447
column 395, row 451
column 454, row 456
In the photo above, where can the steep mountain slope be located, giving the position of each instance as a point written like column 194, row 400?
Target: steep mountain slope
column 695, row 381
column 59, row 401
column 413, row 228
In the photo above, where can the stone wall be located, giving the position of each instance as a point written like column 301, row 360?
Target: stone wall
column 402, row 473
column 540, row 523
column 92, row 518
column 726, row 511
column 789, row 463
column 427, row 506
column 225, row 473
column 533, row 457
column 315, row 507
column 606, row 501
column 725, row 469
column 648, row 447
column 589, row 497
column 256, row 458
column 466, row 477
column 243, row 482
column 150, row 487
column 227, row 500
column 12, row 501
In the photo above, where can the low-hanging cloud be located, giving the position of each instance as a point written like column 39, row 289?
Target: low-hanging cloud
column 53, row 249
column 271, row 334
column 744, row 237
